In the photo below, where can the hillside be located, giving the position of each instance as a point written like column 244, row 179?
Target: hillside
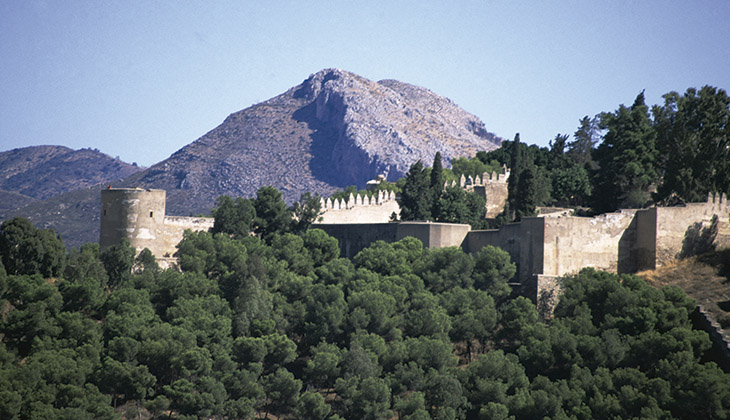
column 333, row 130
column 42, row 172
column 704, row 278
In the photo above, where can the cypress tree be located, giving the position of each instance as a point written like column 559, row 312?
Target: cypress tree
column 514, row 178
column 437, row 183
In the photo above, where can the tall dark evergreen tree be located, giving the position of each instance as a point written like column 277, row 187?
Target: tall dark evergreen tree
column 693, row 139
column 272, row 214
column 514, row 178
column 584, row 141
column 437, row 182
column 627, row 158
column 415, row 199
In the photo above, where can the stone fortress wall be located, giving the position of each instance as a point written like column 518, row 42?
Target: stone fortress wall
column 139, row 216
column 626, row 241
column 379, row 208
column 543, row 248
column 360, row 209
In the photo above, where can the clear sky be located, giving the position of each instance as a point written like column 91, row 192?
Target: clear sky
column 141, row 79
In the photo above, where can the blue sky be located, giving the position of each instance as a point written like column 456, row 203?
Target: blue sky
column 141, row 79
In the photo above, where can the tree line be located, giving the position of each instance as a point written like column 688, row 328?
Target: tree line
column 277, row 325
column 635, row 156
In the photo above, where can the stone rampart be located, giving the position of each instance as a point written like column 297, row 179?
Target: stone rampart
column 138, row 215
column 675, row 239
column 360, row 209
column 353, row 238
column 702, row 319
column 625, row 241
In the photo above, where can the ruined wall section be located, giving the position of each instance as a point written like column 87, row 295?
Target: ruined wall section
column 679, row 228
column 175, row 226
column 360, row 209
column 571, row 243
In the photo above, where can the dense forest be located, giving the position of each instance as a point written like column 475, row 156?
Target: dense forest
column 263, row 319
column 276, row 325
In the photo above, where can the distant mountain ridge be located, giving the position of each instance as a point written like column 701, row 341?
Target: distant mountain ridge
column 333, row 130
column 41, row 172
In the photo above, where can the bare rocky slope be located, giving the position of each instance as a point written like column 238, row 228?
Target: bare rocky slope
column 333, row 130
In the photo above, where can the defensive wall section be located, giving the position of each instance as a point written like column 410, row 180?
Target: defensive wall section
column 139, row 216
column 355, row 237
column 360, row 209
column 380, row 207
column 624, row 241
column 546, row 248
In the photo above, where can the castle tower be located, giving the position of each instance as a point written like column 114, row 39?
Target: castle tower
column 133, row 213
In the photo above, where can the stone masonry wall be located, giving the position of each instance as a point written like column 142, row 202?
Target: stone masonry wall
column 359, row 209
column 678, row 228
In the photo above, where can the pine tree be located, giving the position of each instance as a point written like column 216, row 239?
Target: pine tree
column 693, row 138
column 627, row 158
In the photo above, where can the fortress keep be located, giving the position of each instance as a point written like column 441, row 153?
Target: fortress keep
column 139, row 216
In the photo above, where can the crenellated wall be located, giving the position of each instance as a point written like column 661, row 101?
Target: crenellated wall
column 623, row 241
column 379, row 208
column 360, row 209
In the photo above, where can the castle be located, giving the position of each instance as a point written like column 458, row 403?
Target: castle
column 544, row 247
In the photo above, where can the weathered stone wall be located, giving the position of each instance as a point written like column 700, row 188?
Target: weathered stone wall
column 359, row 209
column 139, row 216
column 507, row 237
column 644, row 249
column 434, row 235
column 571, row 243
column 353, row 238
column 678, row 228
column 175, row 226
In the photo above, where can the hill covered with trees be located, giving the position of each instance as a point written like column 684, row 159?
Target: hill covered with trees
column 277, row 325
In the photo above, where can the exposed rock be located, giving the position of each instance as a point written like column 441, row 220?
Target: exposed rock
column 333, row 130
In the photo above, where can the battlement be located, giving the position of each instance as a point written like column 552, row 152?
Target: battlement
column 360, row 208
column 468, row 182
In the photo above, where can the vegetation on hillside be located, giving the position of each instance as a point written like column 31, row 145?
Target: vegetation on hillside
column 276, row 325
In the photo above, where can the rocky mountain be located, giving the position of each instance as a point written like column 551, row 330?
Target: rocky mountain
column 41, row 172
column 333, row 130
